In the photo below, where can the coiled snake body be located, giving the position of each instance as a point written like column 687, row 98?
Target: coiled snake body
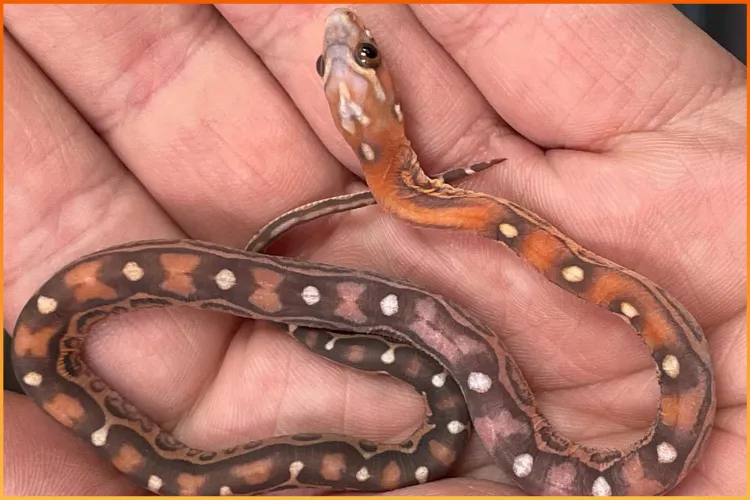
column 370, row 322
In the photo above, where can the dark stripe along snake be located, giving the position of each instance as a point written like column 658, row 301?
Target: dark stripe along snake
column 369, row 322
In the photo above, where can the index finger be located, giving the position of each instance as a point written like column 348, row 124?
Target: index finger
column 576, row 75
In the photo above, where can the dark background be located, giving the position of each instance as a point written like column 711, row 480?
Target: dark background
column 727, row 24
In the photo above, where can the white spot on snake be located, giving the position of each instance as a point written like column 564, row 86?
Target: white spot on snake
column 666, row 453
column 522, row 465
column 671, row 366
column 225, row 491
column 601, row 488
column 294, row 469
column 155, row 483
column 367, row 151
column 99, row 437
column 379, row 92
column 33, row 379
column 479, row 382
column 46, row 305
column 573, row 274
column 439, row 379
column 628, row 310
column 421, row 474
column 507, row 230
column 349, row 109
column 311, row 295
column 329, row 345
column 225, row 279
column 389, row 305
column 348, row 125
column 133, row 271
column 388, row 356
column 455, row 427
column 363, row 475
column 398, row 112
column 292, row 328
column 368, row 33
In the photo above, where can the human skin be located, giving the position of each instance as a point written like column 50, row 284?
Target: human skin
column 624, row 126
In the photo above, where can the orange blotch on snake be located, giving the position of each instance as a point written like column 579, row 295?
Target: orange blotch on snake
column 65, row 409
column 355, row 354
column 332, row 466
column 450, row 402
column 255, row 472
column 608, row 286
column 441, row 453
column 391, row 477
column 658, row 332
column 681, row 411
column 189, row 484
column 34, row 344
column 500, row 427
column 542, row 250
column 348, row 308
column 310, row 338
column 474, row 213
column 83, row 279
column 178, row 270
column 413, row 367
column 265, row 297
column 560, row 479
column 634, row 474
column 127, row 459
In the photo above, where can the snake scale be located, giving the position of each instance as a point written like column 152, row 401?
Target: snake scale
column 370, row 322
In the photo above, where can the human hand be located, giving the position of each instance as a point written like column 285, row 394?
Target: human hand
column 210, row 147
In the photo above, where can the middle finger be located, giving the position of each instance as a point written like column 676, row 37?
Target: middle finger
column 448, row 120
column 188, row 108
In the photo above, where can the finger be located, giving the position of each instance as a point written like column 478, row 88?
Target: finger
column 43, row 459
column 447, row 119
column 155, row 376
column 576, row 76
column 67, row 195
column 189, row 108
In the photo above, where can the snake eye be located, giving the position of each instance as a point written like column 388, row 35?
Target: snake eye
column 320, row 66
column 367, row 55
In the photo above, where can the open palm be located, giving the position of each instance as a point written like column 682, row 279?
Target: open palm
column 624, row 126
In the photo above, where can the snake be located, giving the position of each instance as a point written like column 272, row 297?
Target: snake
column 468, row 381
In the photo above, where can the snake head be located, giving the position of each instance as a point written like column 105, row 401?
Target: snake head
column 359, row 88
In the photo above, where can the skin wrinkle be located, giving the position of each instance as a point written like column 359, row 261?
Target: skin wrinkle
column 571, row 118
column 174, row 405
column 563, row 10
column 218, row 191
column 722, row 352
column 203, row 389
column 75, row 130
column 142, row 63
column 695, row 100
column 723, row 423
column 276, row 26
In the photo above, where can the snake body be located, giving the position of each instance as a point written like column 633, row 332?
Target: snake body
column 468, row 380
